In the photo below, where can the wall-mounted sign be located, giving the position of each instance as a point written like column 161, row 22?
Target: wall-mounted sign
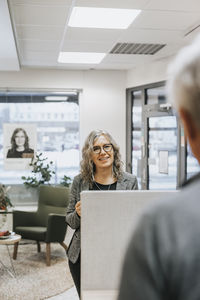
column 19, row 145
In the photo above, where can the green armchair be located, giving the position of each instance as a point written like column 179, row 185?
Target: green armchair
column 48, row 223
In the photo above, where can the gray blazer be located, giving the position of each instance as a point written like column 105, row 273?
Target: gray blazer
column 127, row 182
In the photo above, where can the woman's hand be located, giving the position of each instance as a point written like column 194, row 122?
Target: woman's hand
column 78, row 208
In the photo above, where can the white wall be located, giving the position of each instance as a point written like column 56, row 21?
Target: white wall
column 148, row 73
column 103, row 105
column 102, row 102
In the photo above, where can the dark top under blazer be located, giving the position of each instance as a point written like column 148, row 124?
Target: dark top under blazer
column 127, row 182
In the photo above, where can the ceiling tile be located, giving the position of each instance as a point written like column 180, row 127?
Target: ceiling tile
column 137, row 35
column 39, row 32
column 87, row 47
column 94, row 35
column 177, row 5
column 191, row 34
column 31, row 56
column 40, row 15
column 137, row 4
column 38, row 45
column 165, row 20
column 120, row 65
column 115, row 66
column 168, row 51
column 126, row 58
column 41, row 2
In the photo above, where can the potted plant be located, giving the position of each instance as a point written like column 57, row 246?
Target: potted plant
column 4, row 204
column 42, row 172
column 4, row 199
column 66, row 181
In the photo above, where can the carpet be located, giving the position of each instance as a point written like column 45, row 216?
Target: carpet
column 34, row 280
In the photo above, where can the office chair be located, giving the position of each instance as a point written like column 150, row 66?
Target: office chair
column 48, row 223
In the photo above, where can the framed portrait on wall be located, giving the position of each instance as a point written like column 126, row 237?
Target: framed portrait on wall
column 19, row 145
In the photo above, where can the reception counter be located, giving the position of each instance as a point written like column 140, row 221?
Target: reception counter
column 107, row 222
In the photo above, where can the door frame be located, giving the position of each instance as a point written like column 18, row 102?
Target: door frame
column 150, row 110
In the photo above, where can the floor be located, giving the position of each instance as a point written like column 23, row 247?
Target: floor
column 71, row 294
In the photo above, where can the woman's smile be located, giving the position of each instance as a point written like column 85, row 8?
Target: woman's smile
column 103, row 159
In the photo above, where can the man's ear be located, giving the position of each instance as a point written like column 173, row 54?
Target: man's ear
column 188, row 123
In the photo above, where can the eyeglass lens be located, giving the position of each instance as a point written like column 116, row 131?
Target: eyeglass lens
column 106, row 148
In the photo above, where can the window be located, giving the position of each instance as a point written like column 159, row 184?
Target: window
column 155, row 95
column 57, row 137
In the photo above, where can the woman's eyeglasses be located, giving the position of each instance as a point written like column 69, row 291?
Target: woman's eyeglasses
column 106, row 148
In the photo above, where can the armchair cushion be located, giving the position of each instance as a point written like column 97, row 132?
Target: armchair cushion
column 56, row 228
column 24, row 218
column 51, row 200
column 36, row 233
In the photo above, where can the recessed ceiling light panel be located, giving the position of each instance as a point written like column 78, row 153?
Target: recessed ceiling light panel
column 93, row 17
column 80, row 57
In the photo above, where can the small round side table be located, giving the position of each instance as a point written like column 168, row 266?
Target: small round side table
column 12, row 239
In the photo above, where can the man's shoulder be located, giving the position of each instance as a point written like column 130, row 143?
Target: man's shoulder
column 177, row 206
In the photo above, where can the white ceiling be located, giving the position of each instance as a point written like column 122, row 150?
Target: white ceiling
column 41, row 31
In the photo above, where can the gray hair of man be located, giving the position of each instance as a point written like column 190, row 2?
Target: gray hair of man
column 183, row 85
column 87, row 165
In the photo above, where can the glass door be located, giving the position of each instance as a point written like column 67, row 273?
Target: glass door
column 162, row 152
column 156, row 151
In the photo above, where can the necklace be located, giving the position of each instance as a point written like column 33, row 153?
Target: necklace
column 100, row 188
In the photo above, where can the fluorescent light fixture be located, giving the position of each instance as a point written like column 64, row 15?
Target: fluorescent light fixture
column 65, row 93
column 80, row 57
column 93, row 17
column 56, row 98
column 50, row 129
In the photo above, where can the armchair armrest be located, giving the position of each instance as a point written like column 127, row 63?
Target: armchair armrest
column 23, row 218
column 56, row 228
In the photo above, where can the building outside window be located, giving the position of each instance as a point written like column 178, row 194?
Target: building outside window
column 57, row 126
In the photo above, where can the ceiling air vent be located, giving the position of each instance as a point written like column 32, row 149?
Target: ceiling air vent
column 132, row 48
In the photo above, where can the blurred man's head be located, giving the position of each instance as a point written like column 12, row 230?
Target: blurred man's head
column 184, row 92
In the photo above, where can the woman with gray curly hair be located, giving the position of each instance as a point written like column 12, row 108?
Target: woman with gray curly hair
column 101, row 169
